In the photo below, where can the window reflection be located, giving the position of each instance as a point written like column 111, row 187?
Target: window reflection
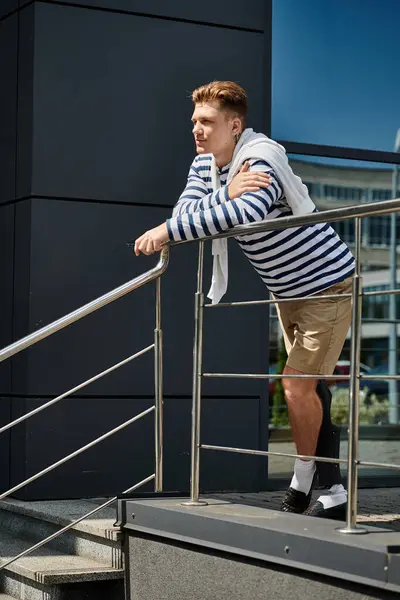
column 331, row 186
column 377, row 307
column 333, row 72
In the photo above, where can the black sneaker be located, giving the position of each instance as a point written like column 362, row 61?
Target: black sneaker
column 338, row 513
column 295, row 501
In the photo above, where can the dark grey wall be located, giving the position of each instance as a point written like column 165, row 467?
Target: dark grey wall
column 8, row 116
column 185, row 570
column 95, row 149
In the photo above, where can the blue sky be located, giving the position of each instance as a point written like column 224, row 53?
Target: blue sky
column 336, row 72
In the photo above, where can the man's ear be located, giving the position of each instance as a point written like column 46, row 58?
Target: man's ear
column 236, row 126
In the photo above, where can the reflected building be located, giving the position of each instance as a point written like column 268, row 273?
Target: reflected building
column 332, row 187
column 337, row 186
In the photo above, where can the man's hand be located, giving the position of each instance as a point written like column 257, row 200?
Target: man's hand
column 152, row 240
column 246, row 181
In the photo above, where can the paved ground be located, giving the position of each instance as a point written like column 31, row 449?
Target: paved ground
column 386, row 451
column 379, row 507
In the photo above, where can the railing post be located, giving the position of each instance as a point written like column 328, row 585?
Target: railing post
column 158, row 384
column 196, row 401
column 352, row 459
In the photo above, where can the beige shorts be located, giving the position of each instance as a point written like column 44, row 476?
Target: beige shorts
column 315, row 330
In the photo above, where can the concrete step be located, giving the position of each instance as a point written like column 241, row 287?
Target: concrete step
column 95, row 538
column 47, row 573
column 97, row 590
column 62, row 512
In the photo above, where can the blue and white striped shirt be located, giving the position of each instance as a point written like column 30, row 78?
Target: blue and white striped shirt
column 294, row 262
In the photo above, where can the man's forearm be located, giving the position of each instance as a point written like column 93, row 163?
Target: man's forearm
column 191, row 204
column 248, row 208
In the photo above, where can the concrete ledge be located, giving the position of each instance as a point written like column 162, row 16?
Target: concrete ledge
column 288, row 540
column 63, row 512
column 168, row 570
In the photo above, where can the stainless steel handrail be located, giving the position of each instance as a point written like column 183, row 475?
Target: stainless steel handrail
column 353, row 462
column 275, row 301
column 71, row 525
column 273, row 376
column 75, row 389
column 76, row 452
column 32, row 339
column 268, row 453
column 85, row 310
column 327, row 297
column 327, row 216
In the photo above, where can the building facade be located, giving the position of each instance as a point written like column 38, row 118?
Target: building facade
column 95, row 146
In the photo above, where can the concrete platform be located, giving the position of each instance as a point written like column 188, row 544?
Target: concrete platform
column 302, row 549
column 379, row 507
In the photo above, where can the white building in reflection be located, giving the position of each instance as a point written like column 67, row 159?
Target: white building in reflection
column 333, row 187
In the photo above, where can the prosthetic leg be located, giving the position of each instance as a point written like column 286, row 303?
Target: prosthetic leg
column 332, row 504
column 328, row 445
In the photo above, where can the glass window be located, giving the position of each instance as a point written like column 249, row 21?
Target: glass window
column 334, row 72
column 333, row 182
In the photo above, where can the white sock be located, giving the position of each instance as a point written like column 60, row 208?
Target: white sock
column 303, row 475
column 336, row 495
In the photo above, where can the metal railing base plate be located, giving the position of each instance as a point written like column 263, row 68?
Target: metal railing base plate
column 194, row 503
column 352, row 530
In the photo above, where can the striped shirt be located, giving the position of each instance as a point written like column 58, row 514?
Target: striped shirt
column 294, row 262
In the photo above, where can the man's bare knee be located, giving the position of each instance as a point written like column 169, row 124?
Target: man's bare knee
column 297, row 390
column 293, row 390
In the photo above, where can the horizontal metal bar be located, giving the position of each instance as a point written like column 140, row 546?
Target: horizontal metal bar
column 378, row 377
column 382, row 293
column 314, row 297
column 71, row 525
column 245, row 303
column 267, row 453
column 274, row 376
column 364, row 463
column 303, row 376
column 75, row 389
column 276, row 300
column 85, row 310
column 76, row 453
column 326, row 216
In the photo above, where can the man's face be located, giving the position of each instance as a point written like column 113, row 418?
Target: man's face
column 213, row 129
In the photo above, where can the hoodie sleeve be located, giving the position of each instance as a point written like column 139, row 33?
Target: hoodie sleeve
column 250, row 207
column 196, row 197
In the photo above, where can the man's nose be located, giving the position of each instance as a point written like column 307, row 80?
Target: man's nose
column 196, row 129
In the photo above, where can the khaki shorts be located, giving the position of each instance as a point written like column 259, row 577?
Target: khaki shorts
column 315, row 330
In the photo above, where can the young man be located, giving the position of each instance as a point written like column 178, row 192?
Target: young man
column 241, row 177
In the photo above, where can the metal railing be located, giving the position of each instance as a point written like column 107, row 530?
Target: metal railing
column 32, row 339
column 353, row 462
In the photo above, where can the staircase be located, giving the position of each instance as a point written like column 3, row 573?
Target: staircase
column 83, row 563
